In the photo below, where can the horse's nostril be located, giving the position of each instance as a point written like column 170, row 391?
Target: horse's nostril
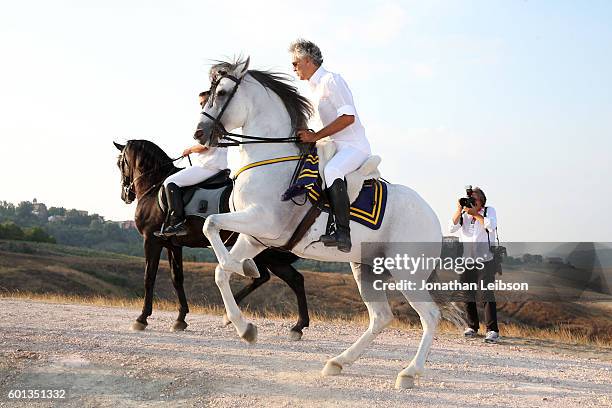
column 198, row 133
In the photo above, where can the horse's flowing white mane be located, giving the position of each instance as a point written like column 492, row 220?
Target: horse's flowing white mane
column 298, row 107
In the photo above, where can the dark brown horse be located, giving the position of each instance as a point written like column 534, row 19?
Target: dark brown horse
column 144, row 166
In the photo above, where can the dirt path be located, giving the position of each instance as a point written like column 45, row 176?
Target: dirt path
column 91, row 353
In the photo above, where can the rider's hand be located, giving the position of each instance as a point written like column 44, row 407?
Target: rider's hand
column 307, row 136
column 187, row 152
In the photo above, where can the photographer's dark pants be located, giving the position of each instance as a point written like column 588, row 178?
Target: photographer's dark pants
column 486, row 297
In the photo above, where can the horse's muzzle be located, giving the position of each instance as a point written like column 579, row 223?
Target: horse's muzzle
column 199, row 133
column 204, row 134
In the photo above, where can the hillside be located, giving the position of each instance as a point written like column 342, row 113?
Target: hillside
column 58, row 269
column 62, row 270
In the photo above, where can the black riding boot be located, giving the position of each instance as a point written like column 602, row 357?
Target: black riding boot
column 340, row 206
column 176, row 223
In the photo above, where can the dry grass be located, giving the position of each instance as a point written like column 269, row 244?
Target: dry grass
column 562, row 335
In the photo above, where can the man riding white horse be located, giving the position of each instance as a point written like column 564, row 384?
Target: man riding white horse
column 270, row 111
column 333, row 101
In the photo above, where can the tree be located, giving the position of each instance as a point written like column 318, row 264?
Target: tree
column 76, row 217
column 24, row 211
column 7, row 209
column 10, row 230
column 38, row 234
column 57, row 211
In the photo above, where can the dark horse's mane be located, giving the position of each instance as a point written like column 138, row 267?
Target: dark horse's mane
column 150, row 158
column 298, row 107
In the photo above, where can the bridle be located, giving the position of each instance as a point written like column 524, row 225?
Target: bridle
column 218, row 126
column 129, row 181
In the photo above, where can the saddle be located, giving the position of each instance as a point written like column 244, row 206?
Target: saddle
column 354, row 180
column 367, row 194
column 210, row 196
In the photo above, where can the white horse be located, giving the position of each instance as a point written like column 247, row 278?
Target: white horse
column 262, row 105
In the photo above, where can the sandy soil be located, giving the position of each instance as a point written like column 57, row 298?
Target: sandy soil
column 91, row 353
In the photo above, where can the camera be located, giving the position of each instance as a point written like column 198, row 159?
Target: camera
column 468, row 201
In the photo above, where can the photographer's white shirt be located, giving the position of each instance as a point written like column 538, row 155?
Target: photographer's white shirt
column 473, row 231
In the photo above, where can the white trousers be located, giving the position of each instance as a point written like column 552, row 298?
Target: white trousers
column 191, row 175
column 347, row 159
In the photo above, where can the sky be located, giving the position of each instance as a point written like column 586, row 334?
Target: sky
column 512, row 96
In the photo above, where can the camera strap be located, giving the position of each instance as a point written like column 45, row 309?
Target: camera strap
column 496, row 234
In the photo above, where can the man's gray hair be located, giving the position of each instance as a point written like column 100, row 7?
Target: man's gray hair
column 305, row 48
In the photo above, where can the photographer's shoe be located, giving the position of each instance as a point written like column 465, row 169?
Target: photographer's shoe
column 491, row 337
column 469, row 332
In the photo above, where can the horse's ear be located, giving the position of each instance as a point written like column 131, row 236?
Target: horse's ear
column 244, row 66
column 118, row 146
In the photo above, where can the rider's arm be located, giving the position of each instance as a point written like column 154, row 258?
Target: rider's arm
column 340, row 96
column 337, row 125
column 195, row 149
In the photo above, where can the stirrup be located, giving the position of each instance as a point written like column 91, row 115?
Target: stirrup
column 332, row 240
column 161, row 232
column 177, row 230
column 329, row 239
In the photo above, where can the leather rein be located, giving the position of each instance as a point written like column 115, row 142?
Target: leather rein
column 225, row 134
column 129, row 188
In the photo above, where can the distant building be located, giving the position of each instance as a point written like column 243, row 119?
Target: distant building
column 39, row 209
column 554, row 260
column 57, row 218
column 126, row 225
column 97, row 218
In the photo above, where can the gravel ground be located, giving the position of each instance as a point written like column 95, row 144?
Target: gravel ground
column 89, row 352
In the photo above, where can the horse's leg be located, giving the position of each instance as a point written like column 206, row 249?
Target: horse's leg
column 380, row 316
column 175, row 258
column 295, row 280
column 243, row 248
column 429, row 313
column 152, row 251
column 245, row 222
column 246, row 291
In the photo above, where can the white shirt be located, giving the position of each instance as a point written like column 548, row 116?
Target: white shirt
column 473, row 231
column 214, row 158
column 332, row 99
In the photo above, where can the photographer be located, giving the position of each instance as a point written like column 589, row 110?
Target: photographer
column 477, row 231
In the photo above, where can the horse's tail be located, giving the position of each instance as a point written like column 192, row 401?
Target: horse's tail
column 451, row 312
column 448, row 309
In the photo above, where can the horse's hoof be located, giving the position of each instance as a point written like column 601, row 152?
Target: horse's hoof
column 331, row 368
column 139, row 326
column 226, row 321
column 295, row 335
column 404, row 382
column 250, row 335
column 249, row 268
column 179, row 325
